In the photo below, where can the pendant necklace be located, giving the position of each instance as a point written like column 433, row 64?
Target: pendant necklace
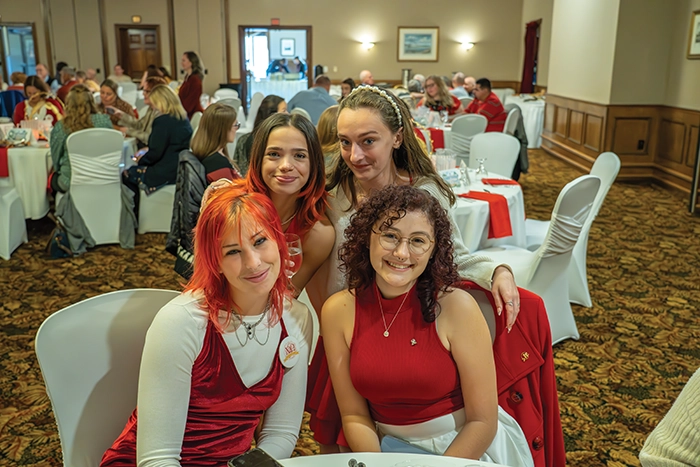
column 381, row 309
column 250, row 329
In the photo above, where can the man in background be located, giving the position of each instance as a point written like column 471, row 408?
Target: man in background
column 469, row 85
column 43, row 73
column 118, row 76
column 458, row 85
column 68, row 80
column 314, row 100
column 366, row 77
column 487, row 104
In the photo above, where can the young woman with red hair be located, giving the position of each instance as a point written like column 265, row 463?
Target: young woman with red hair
column 232, row 347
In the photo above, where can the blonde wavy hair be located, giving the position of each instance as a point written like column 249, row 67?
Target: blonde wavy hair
column 444, row 97
column 213, row 130
column 328, row 131
column 165, row 101
column 80, row 106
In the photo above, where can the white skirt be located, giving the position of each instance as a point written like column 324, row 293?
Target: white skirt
column 509, row 446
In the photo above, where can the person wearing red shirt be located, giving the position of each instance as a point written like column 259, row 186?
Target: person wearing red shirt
column 191, row 88
column 438, row 97
column 39, row 104
column 68, row 77
column 489, row 105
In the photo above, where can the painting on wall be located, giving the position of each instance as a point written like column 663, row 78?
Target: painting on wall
column 694, row 39
column 418, row 44
column 287, row 47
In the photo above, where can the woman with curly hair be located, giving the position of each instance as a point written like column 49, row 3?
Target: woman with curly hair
column 81, row 113
column 438, row 97
column 434, row 386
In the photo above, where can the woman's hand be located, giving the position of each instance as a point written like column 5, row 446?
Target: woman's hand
column 220, row 183
column 114, row 111
column 505, row 292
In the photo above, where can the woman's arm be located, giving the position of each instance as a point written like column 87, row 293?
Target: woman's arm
column 157, row 142
column 316, row 247
column 57, row 144
column 338, row 324
column 462, row 325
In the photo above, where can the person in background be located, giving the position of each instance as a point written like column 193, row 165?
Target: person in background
column 91, row 74
column 17, row 78
column 469, row 85
column 119, row 76
column 420, row 78
column 68, row 80
column 43, row 73
column 438, row 97
column 278, row 66
column 217, row 129
column 213, row 368
column 300, row 67
column 314, row 100
column 191, row 88
column 458, row 85
column 109, row 98
column 416, row 92
column 58, row 82
column 328, row 136
column 151, row 71
column 488, row 104
column 366, row 77
column 39, row 104
column 346, row 87
column 139, row 128
column 271, row 104
column 165, row 74
column 81, row 78
column 81, row 113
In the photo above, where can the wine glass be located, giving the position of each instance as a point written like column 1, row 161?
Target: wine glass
column 481, row 171
column 444, row 116
column 295, row 254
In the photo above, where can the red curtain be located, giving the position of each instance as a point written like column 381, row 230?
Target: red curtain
column 531, row 40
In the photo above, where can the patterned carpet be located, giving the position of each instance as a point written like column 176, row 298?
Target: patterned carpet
column 638, row 347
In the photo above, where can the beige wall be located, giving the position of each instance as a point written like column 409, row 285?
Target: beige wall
column 583, row 49
column 683, row 88
column 534, row 10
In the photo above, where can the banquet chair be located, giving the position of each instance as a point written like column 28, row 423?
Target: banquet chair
column 316, row 325
column 231, row 101
column 464, row 128
column 512, row 121
column 606, row 167
column 129, row 93
column 156, row 210
column 544, row 271
column 194, row 121
column 13, row 227
column 499, row 151
column 255, row 102
column 174, row 85
column 89, row 354
column 224, row 93
column 302, row 112
column 466, row 101
column 95, row 184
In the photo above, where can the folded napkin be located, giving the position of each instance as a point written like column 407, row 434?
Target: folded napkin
column 4, row 169
column 499, row 181
column 499, row 216
column 438, row 137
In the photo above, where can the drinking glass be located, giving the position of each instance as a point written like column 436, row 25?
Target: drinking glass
column 481, row 171
column 295, row 254
column 444, row 116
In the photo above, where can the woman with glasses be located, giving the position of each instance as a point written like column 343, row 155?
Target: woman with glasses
column 216, row 130
column 434, row 385
column 438, row 98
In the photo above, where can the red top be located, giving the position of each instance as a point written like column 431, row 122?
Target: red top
column 190, row 92
column 408, row 383
column 54, row 111
column 223, row 413
column 451, row 110
column 62, row 92
column 492, row 109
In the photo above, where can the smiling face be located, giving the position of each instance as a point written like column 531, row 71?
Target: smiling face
column 398, row 268
column 366, row 145
column 431, row 88
column 345, row 89
column 107, row 96
column 286, row 165
column 250, row 260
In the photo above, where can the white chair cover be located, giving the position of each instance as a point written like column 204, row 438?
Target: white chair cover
column 255, row 102
column 499, row 150
column 129, row 93
column 466, row 101
column 224, row 93
column 464, row 128
column 300, row 111
column 89, row 354
column 231, row 101
column 194, row 121
column 13, row 227
column 156, row 210
column 512, row 121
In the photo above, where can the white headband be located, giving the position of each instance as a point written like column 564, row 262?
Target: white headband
column 385, row 95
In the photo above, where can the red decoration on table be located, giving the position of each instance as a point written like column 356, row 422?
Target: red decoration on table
column 438, row 138
column 4, row 169
column 499, row 181
column 419, row 134
column 499, row 215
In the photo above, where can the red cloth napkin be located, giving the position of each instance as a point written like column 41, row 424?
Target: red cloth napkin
column 4, row 169
column 419, row 134
column 499, row 216
column 438, row 138
column 499, row 181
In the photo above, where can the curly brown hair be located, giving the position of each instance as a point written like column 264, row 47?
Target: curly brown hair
column 387, row 206
column 80, row 107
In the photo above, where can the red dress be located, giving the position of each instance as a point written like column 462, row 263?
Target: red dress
column 190, row 92
column 451, row 109
column 223, row 413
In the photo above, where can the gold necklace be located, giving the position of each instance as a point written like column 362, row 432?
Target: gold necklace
column 290, row 219
column 381, row 309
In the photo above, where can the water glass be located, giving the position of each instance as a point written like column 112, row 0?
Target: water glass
column 444, row 117
column 481, row 171
column 295, row 254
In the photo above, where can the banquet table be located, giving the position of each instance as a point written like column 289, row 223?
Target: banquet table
column 283, row 88
column 29, row 168
column 382, row 459
column 533, row 118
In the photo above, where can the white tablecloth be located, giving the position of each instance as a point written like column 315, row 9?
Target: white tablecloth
column 533, row 118
column 283, row 88
column 29, row 170
column 383, row 459
column 472, row 215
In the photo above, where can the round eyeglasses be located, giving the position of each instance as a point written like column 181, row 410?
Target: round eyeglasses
column 418, row 244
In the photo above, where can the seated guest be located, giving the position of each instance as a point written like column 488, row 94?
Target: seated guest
column 435, row 385
column 39, row 104
column 211, row 368
column 118, row 76
column 165, row 74
column 314, row 100
column 346, row 87
column 81, row 113
column 170, row 134
column 420, row 78
column 151, row 71
column 328, row 136
column 458, row 85
column 68, row 80
column 489, row 105
column 279, row 65
column 469, row 85
column 82, row 78
column 366, row 77
column 43, row 73
column 91, row 74
column 438, row 97
column 216, row 130
column 109, row 98
column 271, row 104
column 139, row 128
column 58, row 82
column 18, row 78
column 416, row 91
column 190, row 91
column 299, row 66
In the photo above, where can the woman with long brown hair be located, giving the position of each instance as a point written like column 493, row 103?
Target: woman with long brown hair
column 110, row 100
column 39, row 105
column 209, row 144
column 328, row 135
column 438, row 97
column 191, row 89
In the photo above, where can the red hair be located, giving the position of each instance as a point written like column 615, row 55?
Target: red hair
column 312, row 198
column 232, row 207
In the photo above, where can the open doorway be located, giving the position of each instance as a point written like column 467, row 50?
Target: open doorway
column 138, row 47
column 18, row 48
column 274, row 60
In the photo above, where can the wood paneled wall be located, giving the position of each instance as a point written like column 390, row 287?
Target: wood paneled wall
column 653, row 142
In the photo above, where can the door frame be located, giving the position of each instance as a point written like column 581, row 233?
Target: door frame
column 119, row 27
column 241, row 55
column 6, row 77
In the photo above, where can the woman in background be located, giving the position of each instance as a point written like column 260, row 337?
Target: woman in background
column 346, row 87
column 165, row 74
column 270, row 105
column 152, row 71
column 109, row 97
column 438, row 98
column 191, row 89
column 139, row 128
column 216, row 130
column 17, row 78
column 328, row 135
column 39, row 105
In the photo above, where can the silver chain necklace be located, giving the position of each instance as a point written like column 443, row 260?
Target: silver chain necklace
column 250, row 329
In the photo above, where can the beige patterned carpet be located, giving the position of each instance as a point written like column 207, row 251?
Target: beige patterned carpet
column 638, row 347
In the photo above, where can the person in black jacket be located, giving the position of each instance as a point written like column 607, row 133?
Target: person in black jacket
column 170, row 134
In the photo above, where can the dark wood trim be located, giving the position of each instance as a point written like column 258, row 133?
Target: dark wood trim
column 227, row 40
column 119, row 27
column 31, row 24
column 103, row 32
column 171, row 39
column 45, row 13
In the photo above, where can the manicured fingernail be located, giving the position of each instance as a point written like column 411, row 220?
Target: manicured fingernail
column 499, row 310
column 509, row 328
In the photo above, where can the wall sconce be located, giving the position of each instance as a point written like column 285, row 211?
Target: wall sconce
column 136, row 19
column 367, row 45
column 467, row 45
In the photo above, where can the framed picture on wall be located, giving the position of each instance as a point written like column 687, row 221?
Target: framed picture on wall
column 694, row 39
column 418, row 44
column 287, row 47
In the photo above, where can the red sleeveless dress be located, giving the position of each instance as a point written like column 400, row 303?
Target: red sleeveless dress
column 222, row 415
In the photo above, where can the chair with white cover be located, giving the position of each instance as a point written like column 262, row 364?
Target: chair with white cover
column 544, row 271
column 13, row 227
column 606, row 167
column 231, row 101
column 194, row 121
column 89, row 354
column 129, row 93
column 223, row 93
column 302, row 112
column 95, row 156
column 316, row 325
column 255, row 102
column 156, row 210
column 466, row 101
column 499, row 151
column 512, row 121
column 463, row 130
